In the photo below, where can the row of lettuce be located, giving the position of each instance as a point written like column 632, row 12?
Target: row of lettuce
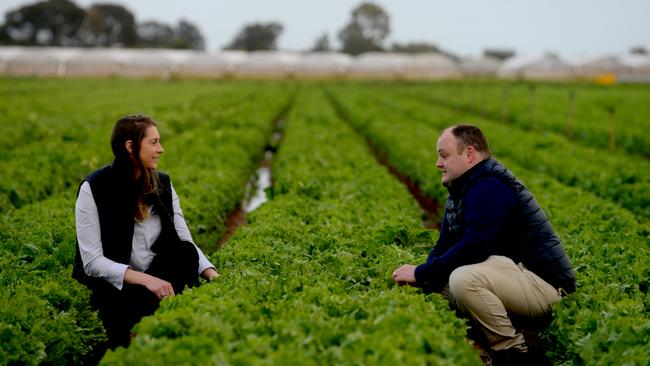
column 56, row 133
column 621, row 178
column 307, row 280
column 582, row 112
column 214, row 136
column 605, row 321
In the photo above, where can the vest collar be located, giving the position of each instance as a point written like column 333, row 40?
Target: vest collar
column 458, row 185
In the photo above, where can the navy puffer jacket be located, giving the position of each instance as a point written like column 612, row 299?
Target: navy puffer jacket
column 490, row 212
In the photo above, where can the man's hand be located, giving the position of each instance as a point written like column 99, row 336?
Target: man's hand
column 210, row 274
column 404, row 275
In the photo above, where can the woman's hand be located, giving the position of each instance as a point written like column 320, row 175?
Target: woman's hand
column 160, row 288
column 210, row 274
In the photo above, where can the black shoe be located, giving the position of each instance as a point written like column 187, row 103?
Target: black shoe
column 515, row 357
column 511, row 357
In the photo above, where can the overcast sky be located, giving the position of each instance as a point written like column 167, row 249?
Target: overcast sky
column 464, row 27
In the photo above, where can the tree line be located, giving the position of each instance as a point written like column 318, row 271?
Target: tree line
column 366, row 31
column 63, row 23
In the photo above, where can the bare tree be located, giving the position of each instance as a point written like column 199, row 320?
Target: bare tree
column 414, row 47
column 367, row 29
column 638, row 50
column 155, row 35
column 322, row 44
column 188, row 35
column 499, row 54
column 256, row 36
column 45, row 23
column 107, row 25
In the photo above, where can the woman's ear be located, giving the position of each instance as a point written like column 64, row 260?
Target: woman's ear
column 129, row 146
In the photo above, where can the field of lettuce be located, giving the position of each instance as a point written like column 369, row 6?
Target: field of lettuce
column 307, row 280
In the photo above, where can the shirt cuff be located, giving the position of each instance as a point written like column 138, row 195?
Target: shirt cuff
column 204, row 264
column 116, row 275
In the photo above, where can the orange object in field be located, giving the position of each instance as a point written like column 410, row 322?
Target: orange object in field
column 606, row 79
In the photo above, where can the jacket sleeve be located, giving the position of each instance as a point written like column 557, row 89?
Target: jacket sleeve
column 488, row 206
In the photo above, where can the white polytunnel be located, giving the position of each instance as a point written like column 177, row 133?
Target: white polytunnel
column 638, row 68
column 322, row 65
column 168, row 63
column 265, row 64
column 593, row 66
column 430, row 66
column 210, row 64
column 484, row 66
column 544, row 67
column 147, row 63
column 379, row 65
column 638, row 64
column 31, row 61
column 95, row 62
column 511, row 68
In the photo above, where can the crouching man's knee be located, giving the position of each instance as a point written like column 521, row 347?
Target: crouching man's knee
column 465, row 283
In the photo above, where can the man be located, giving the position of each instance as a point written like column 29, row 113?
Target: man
column 497, row 253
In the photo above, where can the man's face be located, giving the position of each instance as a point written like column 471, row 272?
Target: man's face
column 452, row 163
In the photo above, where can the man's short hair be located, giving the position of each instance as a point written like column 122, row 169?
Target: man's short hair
column 470, row 135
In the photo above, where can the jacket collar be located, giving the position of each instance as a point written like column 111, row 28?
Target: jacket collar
column 460, row 184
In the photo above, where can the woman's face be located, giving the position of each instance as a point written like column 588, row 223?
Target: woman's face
column 150, row 148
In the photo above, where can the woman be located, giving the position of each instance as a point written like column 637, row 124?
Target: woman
column 133, row 245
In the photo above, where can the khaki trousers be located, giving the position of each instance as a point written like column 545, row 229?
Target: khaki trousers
column 489, row 290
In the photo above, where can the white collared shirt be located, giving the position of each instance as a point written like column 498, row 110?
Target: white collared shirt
column 145, row 234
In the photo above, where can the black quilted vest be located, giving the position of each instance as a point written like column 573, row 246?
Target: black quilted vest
column 113, row 193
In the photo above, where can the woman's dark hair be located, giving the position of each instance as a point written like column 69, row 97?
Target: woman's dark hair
column 470, row 135
column 134, row 128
